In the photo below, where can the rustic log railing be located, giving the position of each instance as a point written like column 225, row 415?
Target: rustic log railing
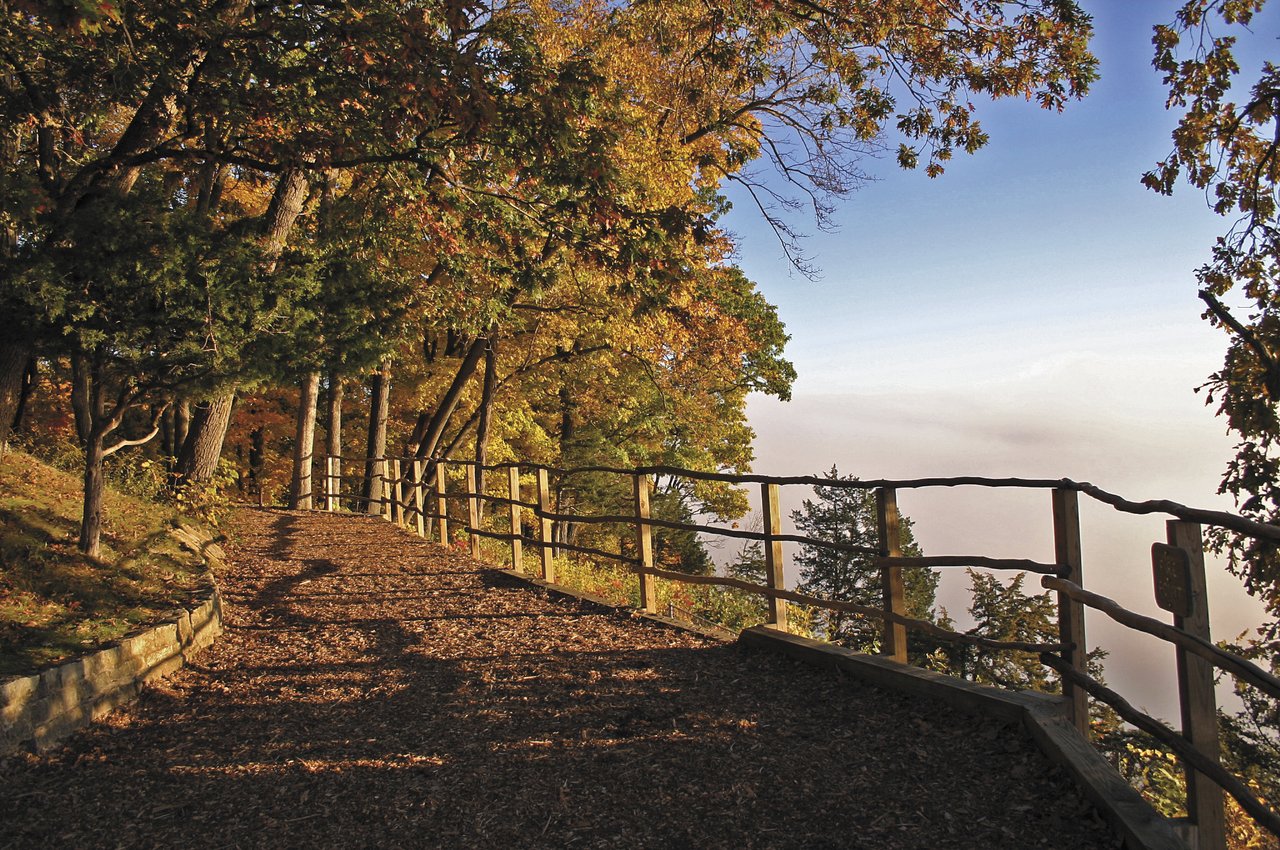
column 403, row 489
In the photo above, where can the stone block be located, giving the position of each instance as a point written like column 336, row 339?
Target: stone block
column 15, row 695
column 183, row 622
column 38, row 711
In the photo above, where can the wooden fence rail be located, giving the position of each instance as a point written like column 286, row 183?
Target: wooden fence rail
column 400, row 489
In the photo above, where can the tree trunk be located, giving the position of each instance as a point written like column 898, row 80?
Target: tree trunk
column 30, row 378
column 450, row 401
column 91, row 519
column 486, row 410
column 376, row 447
column 94, row 456
column 80, row 379
column 13, row 366
column 198, row 460
column 181, row 424
column 283, row 211
column 166, row 435
column 304, row 444
column 333, row 440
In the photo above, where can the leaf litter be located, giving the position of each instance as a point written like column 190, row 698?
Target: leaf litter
column 373, row 689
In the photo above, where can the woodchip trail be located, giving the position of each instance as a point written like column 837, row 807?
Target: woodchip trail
column 375, row 690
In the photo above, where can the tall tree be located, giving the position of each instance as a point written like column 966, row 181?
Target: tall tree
column 848, row 516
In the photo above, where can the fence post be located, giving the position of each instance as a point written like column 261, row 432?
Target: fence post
column 773, row 562
column 513, row 492
column 397, row 492
column 1066, row 546
column 1196, row 693
column 894, row 635
column 644, row 545
column 442, row 504
column 473, row 511
column 545, row 526
column 420, row 497
column 331, row 484
column 385, row 488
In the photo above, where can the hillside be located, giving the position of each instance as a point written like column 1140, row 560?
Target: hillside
column 55, row 602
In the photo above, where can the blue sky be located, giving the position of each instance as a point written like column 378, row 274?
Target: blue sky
column 1032, row 312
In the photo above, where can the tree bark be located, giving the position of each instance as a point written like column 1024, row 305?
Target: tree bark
column 450, row 401
column 198, row 460
column 30, row 378
column 284, row 209
column 13, row 366
column 181, row 424
column 486, row 410
column 376, row 446
column 91, row 520
column 94, row 456
column 304, row 444
column 80, row 380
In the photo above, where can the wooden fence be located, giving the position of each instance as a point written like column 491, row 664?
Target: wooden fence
column 413, row 492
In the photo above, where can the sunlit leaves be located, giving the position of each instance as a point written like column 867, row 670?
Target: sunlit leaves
column 1226, row 145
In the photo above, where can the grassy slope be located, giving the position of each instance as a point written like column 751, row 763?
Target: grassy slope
column 54, row 602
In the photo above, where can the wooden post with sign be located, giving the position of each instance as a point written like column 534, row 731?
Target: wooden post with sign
column 773, row 562
column 473, row 511
column 644, row 545
column 513, row 492
column 442, row 504
column 894, row 641
column 1182, row 591
column 545, row 528
column 1066, row 546
column 420, row 497
column 397, row 507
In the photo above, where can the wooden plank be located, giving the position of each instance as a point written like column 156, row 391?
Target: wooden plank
column 1196, row 695
column 894, row 641
column 513, row 490
column 1066, row 544
column 420, row 496
column 473, row 511
column 545, row 528
column 644, row 545
column 442, row 504
column 773, row 560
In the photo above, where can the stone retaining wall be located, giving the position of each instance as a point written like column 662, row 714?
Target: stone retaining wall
column 38, row 711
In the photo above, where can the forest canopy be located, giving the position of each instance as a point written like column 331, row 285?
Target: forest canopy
column 496, row 223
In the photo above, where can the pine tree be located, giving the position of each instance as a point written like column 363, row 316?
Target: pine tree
column 847, row 515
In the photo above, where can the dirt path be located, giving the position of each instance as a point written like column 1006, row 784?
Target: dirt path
column 373, row 690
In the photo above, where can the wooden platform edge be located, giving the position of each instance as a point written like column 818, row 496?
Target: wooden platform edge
column 1043, row 715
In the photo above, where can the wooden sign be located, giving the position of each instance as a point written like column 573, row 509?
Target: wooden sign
column 1172, row 571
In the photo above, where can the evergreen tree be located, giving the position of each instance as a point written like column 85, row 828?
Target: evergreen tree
column 1004, row 612
column 848, row 516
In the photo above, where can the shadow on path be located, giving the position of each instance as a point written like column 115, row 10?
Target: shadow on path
column 341, row 711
